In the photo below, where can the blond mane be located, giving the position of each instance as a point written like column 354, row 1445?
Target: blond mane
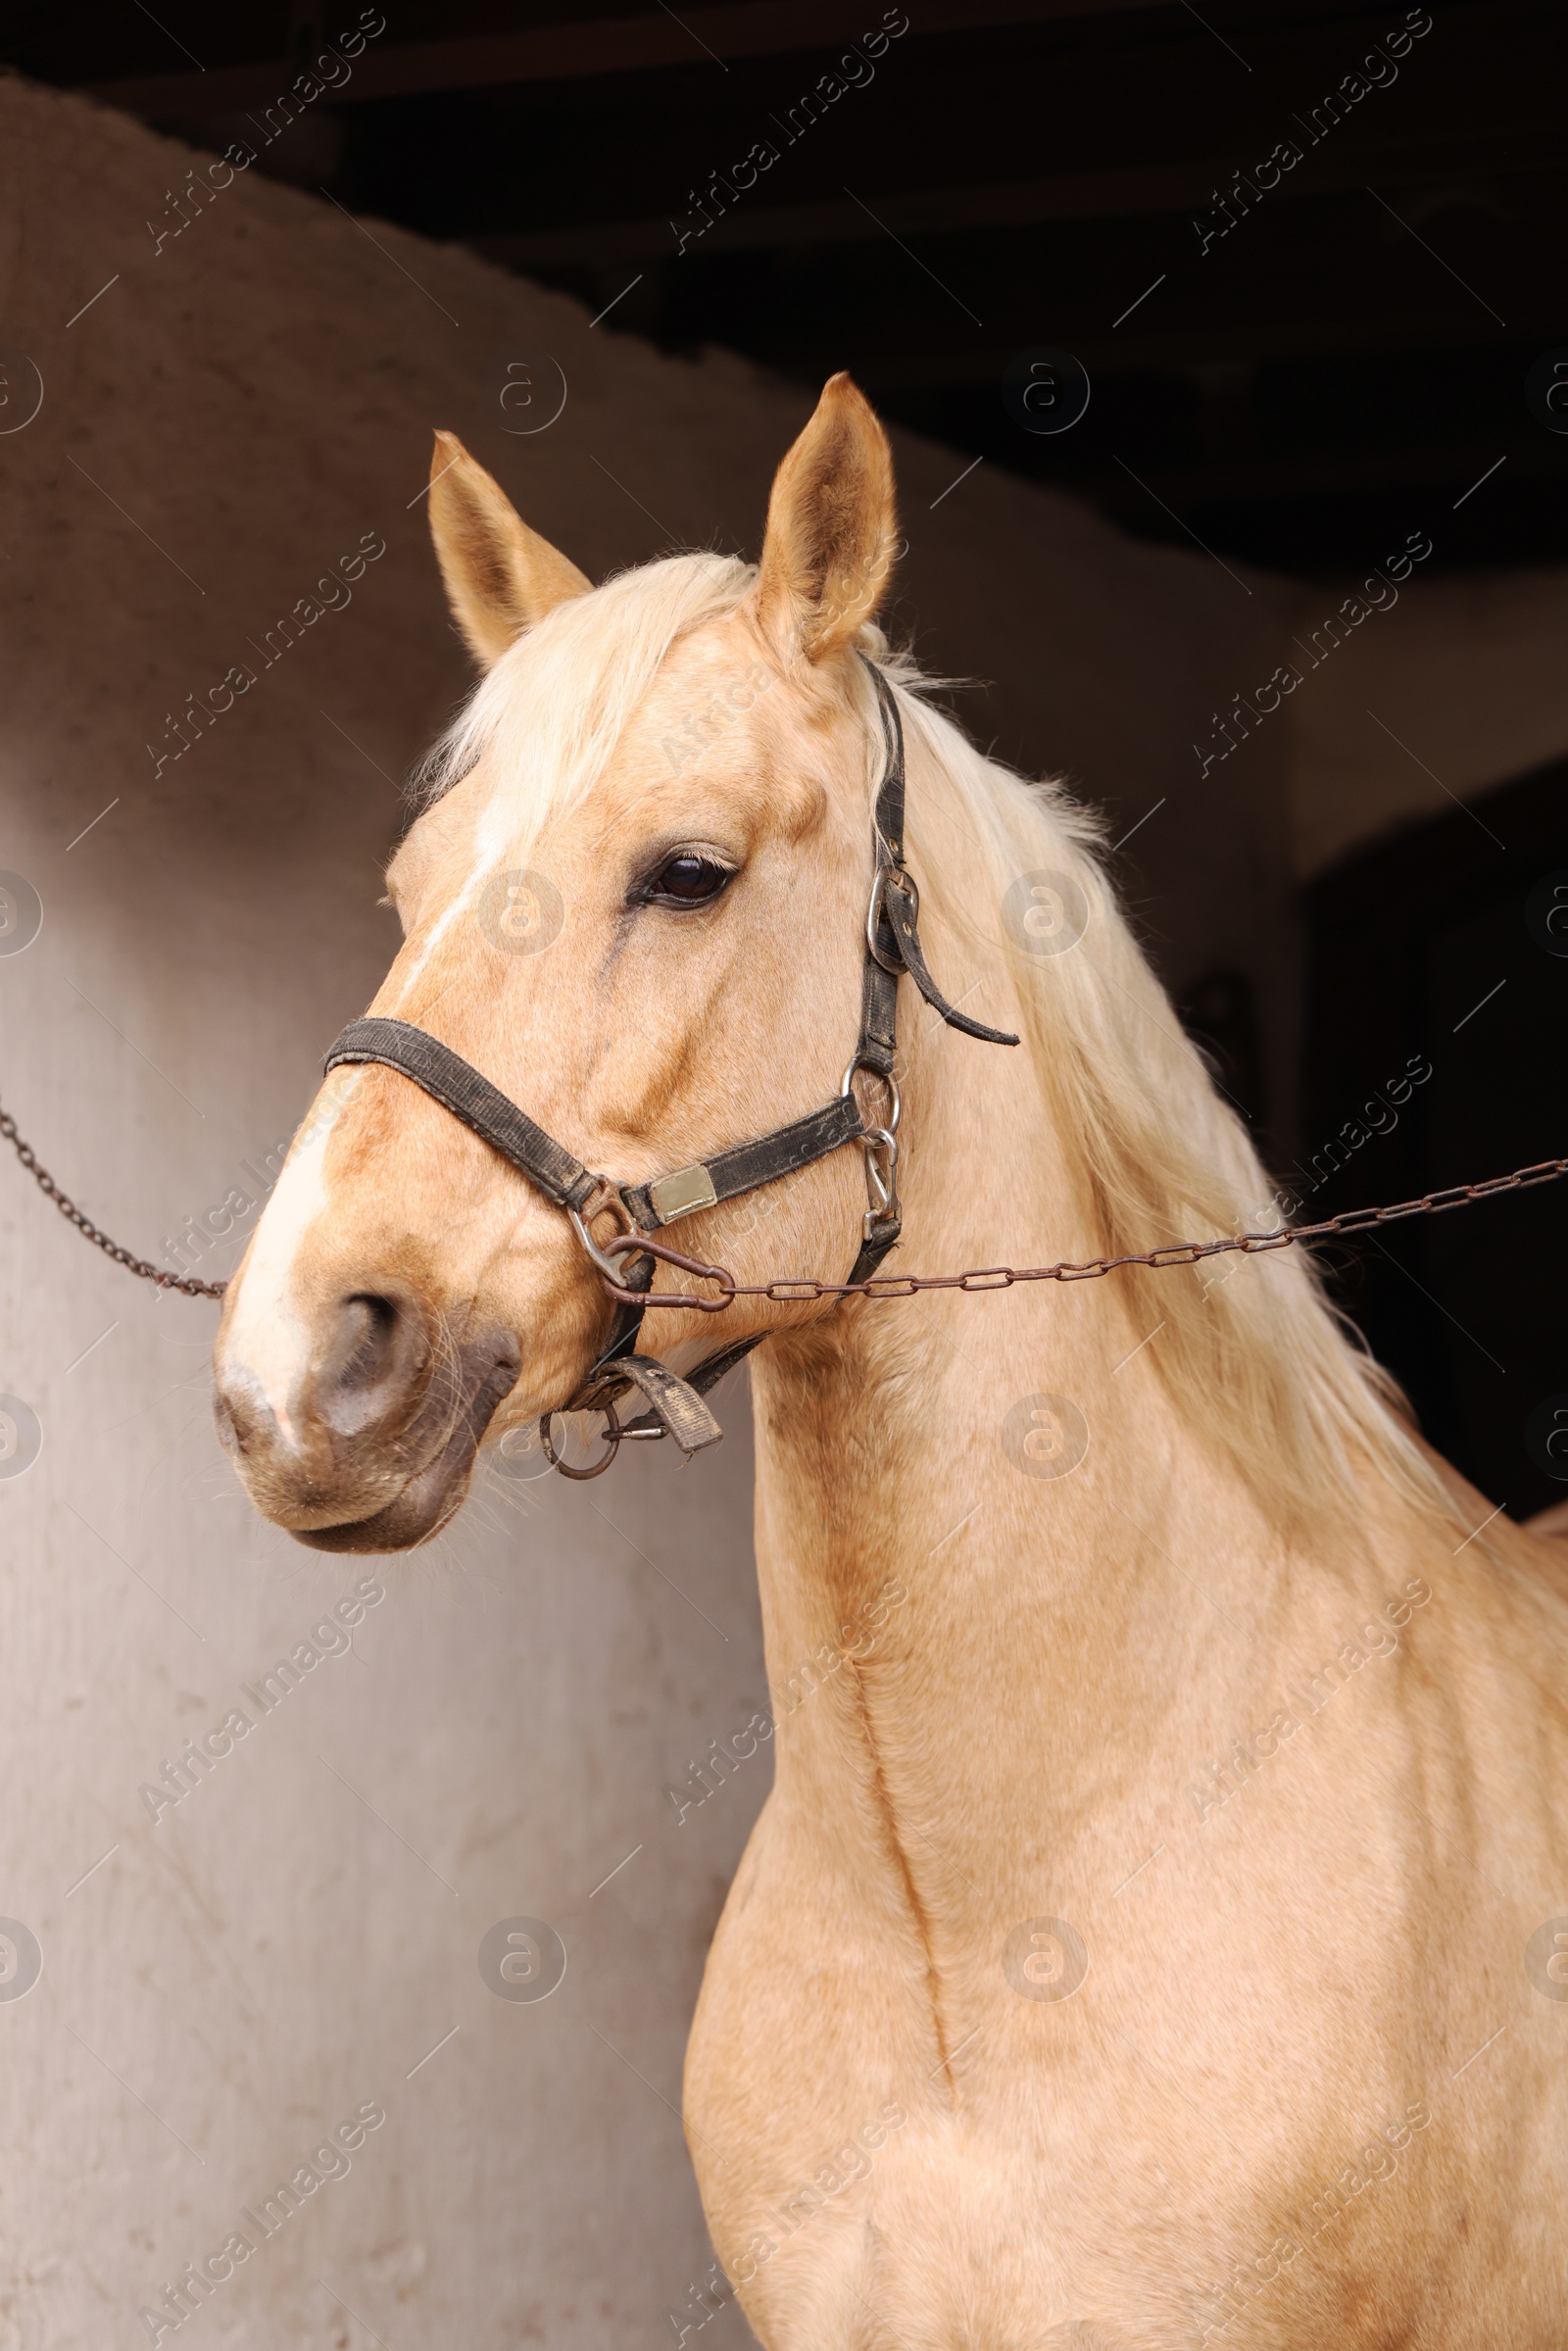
column 1253, row 1354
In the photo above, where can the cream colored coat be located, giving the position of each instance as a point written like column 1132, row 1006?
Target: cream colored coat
column 1153, row 1930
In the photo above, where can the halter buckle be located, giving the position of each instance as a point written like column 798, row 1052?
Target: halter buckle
column 891, row 872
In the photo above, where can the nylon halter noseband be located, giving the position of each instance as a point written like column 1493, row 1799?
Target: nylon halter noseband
column 675, row 1405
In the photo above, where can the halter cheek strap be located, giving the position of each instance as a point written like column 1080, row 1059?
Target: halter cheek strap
column 675, row 1406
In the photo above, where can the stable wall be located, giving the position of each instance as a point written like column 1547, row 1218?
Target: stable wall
column 232, row 415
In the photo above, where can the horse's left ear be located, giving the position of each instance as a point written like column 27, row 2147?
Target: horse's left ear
column 501, row 577
column 831, row 528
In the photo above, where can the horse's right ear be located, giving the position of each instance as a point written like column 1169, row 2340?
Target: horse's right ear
column 501, row 577
column 831, row 528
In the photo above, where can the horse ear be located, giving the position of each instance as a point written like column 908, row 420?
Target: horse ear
column 501, row 577
column 831, row 528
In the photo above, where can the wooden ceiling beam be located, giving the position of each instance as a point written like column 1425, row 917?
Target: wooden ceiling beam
column 1119, row 193
column 587, row 47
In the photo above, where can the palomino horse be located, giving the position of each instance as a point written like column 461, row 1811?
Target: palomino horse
column 1154, row 1931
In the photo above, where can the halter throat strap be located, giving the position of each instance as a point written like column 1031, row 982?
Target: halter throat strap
column 892, row 931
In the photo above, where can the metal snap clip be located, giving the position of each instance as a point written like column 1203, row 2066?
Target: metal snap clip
column 881, row 1181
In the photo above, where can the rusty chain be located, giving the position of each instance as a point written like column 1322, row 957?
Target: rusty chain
column 85, row 1224
column 786, row 1289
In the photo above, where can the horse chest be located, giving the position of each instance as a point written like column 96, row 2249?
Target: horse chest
column 871, row 2199
column 955, row 2238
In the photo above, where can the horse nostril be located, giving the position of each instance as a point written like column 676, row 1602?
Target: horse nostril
column 369, row 1327
column 379, row 1349
column 239, row 1421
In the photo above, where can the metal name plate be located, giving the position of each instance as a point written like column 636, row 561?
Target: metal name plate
column 682, row 1194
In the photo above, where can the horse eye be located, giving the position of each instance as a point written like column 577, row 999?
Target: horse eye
column 687, row 879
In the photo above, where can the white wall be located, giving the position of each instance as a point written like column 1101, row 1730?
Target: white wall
column 227, row 418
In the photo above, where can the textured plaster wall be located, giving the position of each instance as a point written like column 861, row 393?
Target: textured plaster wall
column 223, row 1987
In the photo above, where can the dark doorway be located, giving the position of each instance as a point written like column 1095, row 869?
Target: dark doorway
column 1447, row 946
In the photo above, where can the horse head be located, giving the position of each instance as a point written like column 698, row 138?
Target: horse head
column 633, row 897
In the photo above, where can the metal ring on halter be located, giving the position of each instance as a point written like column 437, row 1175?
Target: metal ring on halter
column 597, row 1469
column 883, row 1077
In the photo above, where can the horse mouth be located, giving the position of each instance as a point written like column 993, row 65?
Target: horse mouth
column 433, row 1494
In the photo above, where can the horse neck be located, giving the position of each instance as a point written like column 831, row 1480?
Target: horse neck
column 950, row 1600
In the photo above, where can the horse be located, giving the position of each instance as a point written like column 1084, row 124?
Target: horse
column 1152, row 1934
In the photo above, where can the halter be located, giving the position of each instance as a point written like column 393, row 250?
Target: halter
column 675, row 1406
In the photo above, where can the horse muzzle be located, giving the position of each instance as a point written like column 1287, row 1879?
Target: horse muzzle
column 373, row 1449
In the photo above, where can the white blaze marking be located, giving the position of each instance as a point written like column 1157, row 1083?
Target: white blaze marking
column 268, row 1336
column 438, row 931
column 494, row 836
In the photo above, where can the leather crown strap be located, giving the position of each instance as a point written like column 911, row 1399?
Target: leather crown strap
column 675, row 1405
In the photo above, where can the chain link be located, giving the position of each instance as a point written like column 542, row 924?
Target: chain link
column 85, row 1224
column 785, row 1290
